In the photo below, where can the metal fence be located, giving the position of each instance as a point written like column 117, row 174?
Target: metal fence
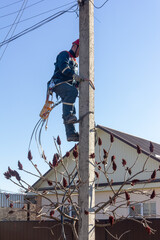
column 40, row 231
column 16, row 199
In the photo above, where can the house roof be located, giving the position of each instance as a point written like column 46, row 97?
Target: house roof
column 128, row 139
column 134, row 141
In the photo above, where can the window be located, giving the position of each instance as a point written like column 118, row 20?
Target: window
column 137, row 211
column 143, row 209
column 149, row 209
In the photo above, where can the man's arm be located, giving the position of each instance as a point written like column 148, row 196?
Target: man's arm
column 63, row 64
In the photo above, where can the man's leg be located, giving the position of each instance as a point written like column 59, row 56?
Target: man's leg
column 68, row 94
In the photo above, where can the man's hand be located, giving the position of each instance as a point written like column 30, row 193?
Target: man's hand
column 77, row 78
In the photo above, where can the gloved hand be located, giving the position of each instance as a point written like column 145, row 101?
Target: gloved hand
column 77, row 78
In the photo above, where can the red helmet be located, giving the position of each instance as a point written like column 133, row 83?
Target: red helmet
column 76, row 42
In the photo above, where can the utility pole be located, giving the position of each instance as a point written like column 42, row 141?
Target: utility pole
column 86, row 225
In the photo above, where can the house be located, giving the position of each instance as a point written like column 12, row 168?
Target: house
column 129, row 157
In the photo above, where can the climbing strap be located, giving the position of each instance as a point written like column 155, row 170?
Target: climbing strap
column 70, row 104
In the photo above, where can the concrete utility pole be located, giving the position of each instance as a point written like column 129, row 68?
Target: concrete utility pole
column 86, row 200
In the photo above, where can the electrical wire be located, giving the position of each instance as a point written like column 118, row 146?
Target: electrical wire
column 19, row 15
column 37, row 130
column 99, row 6
column 10, row 4
column 6, row 15
column 37, row 25
column 39, row 14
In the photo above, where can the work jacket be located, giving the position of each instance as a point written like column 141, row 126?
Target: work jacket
column 65, row 67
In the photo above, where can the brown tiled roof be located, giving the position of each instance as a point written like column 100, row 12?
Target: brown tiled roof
column 134, row 141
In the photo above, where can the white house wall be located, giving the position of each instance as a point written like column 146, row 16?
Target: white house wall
column 102, row 197
column 122, row 150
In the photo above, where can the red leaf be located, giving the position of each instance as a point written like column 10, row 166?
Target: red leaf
column 153, row 194
column 113, row 158
column 97, row 174
column 124, row 162
column 58, row 141
column 134, row 181
column 153, row 176
column 7, row 196
column 49, row 183
column 55, row 160
column 29, row 155
column 114, row 166
column 99, row 167
column 151, row 147
column 148, row 230
column 75, row 153
column 111, row 220
column 11, row 205
column 11, row 172
column 99, row 141
column 92, row 155
column 105, row 154
column 76, row 147
column 86, row 212
column 111, row 138
column 20, row 166
column 110, row 200
column 67, row 154
column 139, row 149
column 17, row 176
column 129, row 171
column 64, row 182
column 51, row 213
column 7, row 175
column 127, row 196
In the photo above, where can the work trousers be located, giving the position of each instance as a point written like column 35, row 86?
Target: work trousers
column 68, row 94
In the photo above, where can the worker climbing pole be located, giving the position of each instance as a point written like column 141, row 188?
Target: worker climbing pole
column 65, row 83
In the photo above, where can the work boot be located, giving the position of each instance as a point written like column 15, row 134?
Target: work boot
column 74, row 137
column 70, row 119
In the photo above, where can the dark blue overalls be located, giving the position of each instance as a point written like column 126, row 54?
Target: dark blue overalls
column 65, row 67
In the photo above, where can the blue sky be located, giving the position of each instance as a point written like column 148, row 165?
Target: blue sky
column 127, row 73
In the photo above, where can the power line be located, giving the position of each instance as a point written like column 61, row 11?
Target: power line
column 6, row 15
column 19, row 15
column 39, row 14
column 10, row 4
column 99, row 6
column 37, row 25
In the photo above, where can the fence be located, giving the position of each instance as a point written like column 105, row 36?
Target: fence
column 16, row 199
column 40, row 231
column 23, row 208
